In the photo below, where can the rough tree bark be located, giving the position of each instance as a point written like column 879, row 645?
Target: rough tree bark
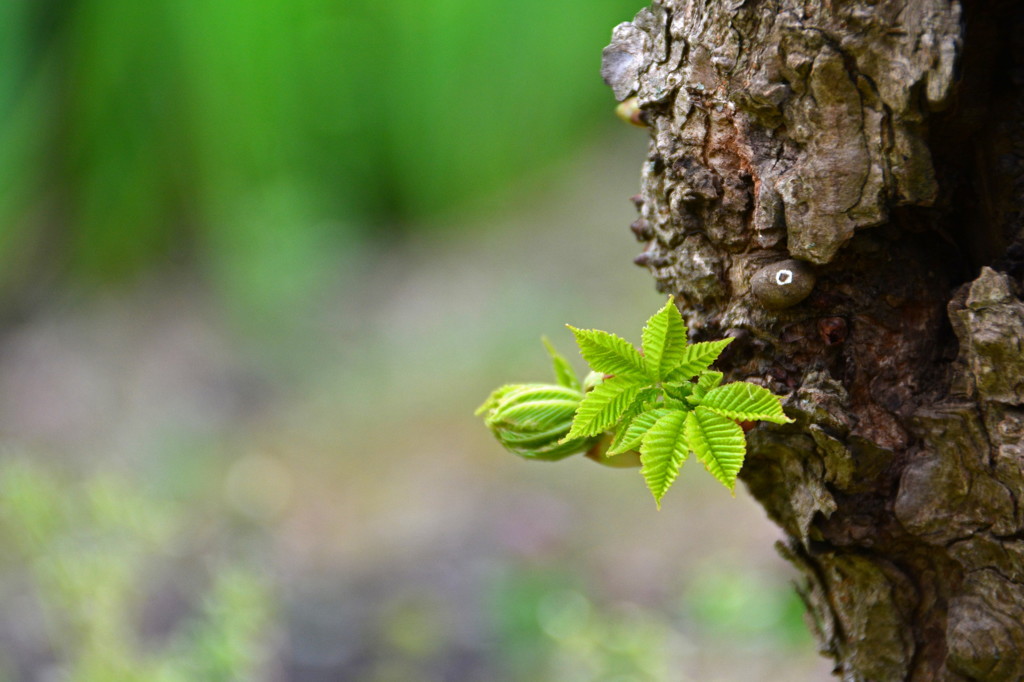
column 880, row 143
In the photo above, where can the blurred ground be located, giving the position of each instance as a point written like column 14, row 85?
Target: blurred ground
column 336, row 458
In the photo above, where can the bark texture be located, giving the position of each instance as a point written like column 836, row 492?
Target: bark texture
column 840, row 186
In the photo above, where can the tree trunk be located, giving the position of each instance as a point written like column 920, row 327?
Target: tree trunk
column 879, row 143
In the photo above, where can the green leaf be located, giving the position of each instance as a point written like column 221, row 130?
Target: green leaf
column 664, row 340
column 609, row 353
column 513, row 393
column 647, row 397
column 718, row 442
column 744, row 401
column 552, row 451
column 679, row 390
column 696, row 358
column 663, row 452
column 631, row 433
column 705, row 382
column 641, row 402
column 564, row 374
column 602, row 407
column 708, row 380
column 531, row 439
column 538, row 414
column 676, row 404
column 527, row 410
column 495, row 397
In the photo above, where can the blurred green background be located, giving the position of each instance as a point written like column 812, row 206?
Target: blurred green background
column 259, row 261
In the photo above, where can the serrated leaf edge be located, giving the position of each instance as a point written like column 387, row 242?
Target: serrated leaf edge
column 635, row 440
column 743, row 410
column 697, row 357
column 677, row 453
column 631, row 362
column 711, row 450
column 663, row 339
column 602, row 407
column 564, row 373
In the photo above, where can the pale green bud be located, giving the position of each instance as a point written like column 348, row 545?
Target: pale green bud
column 592, row 380
column 530, row 420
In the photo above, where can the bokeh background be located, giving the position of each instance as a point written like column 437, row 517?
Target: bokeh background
column 259, row 262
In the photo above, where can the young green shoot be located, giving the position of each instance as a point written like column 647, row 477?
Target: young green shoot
column 663, row 401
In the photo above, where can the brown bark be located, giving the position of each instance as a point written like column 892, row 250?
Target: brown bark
column 881, row 144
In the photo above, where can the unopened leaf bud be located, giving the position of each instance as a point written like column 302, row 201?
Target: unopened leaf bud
column 530, row 420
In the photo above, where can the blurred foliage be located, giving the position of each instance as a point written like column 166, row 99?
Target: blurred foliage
column 256, row 135
column 92, row 556
column 549, row 629
column 262, row 144
column 743, row 605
